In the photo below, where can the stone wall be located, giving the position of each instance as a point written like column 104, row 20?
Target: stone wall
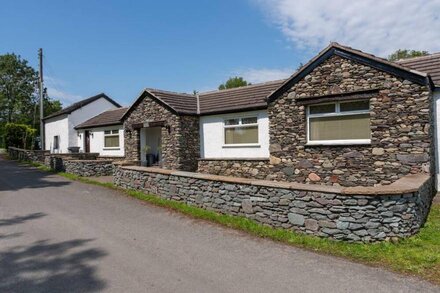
column 401, row 129
column 87, row 168
column 180, row 137
column 27, row 155
column 245, row 168
column 354, row 214
column 57, row 161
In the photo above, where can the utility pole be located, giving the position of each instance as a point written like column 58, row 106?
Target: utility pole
column 40, row 57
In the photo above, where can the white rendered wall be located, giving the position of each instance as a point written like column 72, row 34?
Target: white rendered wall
column 85, row 113
column 437, row 136
column 97, row 141
column 212, row 137
column 56, row 126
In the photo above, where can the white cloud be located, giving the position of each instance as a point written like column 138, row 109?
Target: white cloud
column 254, row 75
column 374, row 26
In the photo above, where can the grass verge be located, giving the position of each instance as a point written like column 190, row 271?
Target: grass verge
column 418, row 255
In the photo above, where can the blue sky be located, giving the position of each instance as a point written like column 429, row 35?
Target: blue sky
column 121, row 47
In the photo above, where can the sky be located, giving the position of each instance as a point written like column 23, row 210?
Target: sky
column 122, row 47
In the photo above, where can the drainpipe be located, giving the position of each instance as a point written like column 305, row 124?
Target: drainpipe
column 198, row 103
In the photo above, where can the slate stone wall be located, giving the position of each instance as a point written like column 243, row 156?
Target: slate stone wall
column 27, row 155
column 329, row 213
column 87, row 168
column 258, row 169
column 401, row 129
column 180, row 139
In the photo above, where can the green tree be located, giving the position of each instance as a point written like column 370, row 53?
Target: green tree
column 405, row 53
column 233, row 82
column 19, row 135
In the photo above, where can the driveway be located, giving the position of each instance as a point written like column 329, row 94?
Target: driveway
column 58, row 235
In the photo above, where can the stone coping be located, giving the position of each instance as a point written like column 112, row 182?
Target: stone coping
column 233, row 159
column 25, row 150
column 407, row 184
column 90, row 161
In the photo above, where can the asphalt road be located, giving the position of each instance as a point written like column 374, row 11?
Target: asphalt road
column 62, row 236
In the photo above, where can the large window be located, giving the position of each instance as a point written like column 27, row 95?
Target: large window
column 339, row 123
column 111, row 138
column 241, row 131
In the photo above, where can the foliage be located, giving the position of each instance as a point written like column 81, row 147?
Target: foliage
column 405, row 54
column 19, row 101
column 233, row 82
column 19, row 135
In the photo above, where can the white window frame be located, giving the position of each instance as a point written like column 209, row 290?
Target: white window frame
column 110, row 135
column 240, row 125
column 337, row 113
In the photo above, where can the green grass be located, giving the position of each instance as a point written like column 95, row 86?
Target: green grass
column 418, row 255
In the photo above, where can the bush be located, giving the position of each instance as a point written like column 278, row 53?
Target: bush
column 19, row 135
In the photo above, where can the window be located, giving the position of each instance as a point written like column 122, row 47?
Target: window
column 56, row 142
column 241, row 131
column 339, row 123
column 111, row 138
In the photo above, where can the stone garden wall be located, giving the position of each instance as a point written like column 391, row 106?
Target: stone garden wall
column 347, row 213
column 87, row 168
column 27, row 155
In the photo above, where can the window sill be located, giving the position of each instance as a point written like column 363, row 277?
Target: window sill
column 111, row 149
column 242, row 145
column 339, row 142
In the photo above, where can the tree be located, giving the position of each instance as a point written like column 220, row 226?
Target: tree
column 405, row 53
column 233, row 82
column 19, row 135
column 19, row 101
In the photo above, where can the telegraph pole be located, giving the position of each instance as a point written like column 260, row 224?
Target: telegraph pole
column 40, row 57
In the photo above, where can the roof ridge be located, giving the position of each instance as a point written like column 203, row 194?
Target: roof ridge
column 168, row 92
column 432, row 55
column 243, row 87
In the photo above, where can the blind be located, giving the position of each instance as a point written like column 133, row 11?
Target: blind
column 340, row 127
column 237, row 135
column 111, row 141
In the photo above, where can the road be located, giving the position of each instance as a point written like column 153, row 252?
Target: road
column 58, row 235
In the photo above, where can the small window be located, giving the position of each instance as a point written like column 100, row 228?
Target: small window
column 241, row 131
column 340, row 122
column 56, row 142
column 111, row 138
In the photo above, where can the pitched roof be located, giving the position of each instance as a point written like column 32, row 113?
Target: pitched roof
column 429, row 64
column 355, row 55
column 81, row 104
column 237, row 99
column 182, row 103
column 110, row 117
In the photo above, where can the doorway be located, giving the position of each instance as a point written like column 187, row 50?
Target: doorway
column 151, row 146
column 87, row 141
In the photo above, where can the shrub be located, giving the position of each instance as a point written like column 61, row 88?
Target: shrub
column 19, row 135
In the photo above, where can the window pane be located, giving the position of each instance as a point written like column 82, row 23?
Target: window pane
column 340, row 127
column 115, row 131
column 321, row 109
column 111, row 141
column 250, row 120
column 236, row 135
column 107, row 132
column 232, row 121
column 355, row 106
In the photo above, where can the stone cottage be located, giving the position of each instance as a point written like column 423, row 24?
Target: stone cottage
column 345, row 118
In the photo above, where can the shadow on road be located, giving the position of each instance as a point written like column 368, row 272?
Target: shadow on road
column 51, row 267
column 14, row 176
column 20, row 219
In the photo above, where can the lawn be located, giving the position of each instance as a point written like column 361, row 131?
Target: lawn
column 418, row 255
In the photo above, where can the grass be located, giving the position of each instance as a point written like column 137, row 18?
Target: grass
column 418, row 255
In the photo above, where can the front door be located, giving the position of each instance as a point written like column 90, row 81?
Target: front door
column 87, row 141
